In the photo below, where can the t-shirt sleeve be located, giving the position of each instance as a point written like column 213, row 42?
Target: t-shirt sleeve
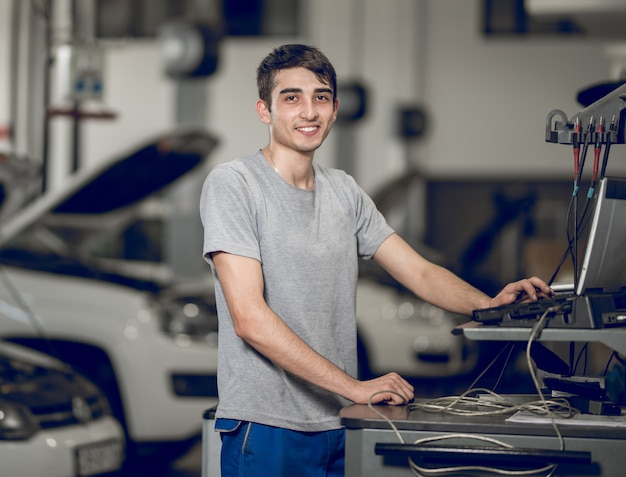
column 372, row 227
column 227, row 214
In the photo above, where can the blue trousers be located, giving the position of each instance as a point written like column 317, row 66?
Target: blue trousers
column 256, row 450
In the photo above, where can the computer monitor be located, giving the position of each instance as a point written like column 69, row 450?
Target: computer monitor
column 604, row 262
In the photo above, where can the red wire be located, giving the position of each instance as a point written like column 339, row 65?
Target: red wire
column 576, row 142
column 598, row 148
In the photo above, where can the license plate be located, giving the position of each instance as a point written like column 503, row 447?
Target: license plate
column 99, row 458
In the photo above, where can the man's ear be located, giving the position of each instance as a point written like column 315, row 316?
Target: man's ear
column 336, row 109
column 263, row 111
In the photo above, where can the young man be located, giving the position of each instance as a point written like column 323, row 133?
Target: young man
column 283, row 236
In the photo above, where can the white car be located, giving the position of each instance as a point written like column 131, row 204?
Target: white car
column 149, row 344
column 399, row 332
column 53, row 422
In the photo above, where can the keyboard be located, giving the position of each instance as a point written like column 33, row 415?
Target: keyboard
column 594, row 310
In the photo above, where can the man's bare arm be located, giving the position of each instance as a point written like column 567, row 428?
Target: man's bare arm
column 443, row 288
column 255, row 322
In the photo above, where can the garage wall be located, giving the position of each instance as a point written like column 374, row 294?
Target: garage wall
column 490, row 96
column 487, row 97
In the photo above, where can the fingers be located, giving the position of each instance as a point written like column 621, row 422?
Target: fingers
column 522, row 291
column 390, row 388
column 528, row 288
column 534, row 288
column 541, row 286
column 388, row 397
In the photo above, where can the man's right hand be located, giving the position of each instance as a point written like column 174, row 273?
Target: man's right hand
column 389, row 389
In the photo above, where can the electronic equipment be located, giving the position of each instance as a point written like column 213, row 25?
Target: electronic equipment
column 596, row 310
column 612, row 107
column 604, row 263
column 599, row 300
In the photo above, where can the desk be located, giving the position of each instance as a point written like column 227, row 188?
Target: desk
column 364, row 429
column 614, row 338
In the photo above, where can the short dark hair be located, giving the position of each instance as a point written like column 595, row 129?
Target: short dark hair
column 293, row 56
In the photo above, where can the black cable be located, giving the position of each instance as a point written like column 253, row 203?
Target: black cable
column 587, row 136
column 583, row 351
column 580, row 228
column 583, row 157
column 508, row 346
column 609, row 140
column 504, row 365
column 580, row 223
column 606, row 368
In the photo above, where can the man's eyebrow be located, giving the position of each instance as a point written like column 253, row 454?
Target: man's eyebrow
column 324, row 90
column 299, row 90
column 290, row 90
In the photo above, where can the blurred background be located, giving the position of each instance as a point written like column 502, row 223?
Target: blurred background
column 443, row 110
column 455, row 92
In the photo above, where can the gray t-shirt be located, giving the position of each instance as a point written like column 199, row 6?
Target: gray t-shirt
column 308, row 243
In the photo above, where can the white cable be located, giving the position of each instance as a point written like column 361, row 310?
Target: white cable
column 534, row 334
column 496, row 406
column 423, row 472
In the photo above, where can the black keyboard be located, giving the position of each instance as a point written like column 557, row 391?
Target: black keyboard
column 526, row 314
column 593, row 310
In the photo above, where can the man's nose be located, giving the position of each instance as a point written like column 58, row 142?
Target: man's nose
column 309, row 110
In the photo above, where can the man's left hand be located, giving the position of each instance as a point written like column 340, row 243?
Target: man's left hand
column 522, row 291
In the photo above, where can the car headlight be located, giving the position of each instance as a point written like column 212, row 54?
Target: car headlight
column 94, row 398
column 16, row 421
column 190, row 317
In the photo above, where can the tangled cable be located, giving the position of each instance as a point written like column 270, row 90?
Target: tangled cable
column 483, row 402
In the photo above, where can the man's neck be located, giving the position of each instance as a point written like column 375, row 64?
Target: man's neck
column 296, row 170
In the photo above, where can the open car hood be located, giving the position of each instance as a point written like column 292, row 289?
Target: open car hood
column 118, row 183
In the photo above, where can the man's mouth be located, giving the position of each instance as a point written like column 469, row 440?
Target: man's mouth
column 307, row 129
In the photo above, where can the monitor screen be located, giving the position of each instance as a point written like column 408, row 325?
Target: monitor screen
column 604, row 262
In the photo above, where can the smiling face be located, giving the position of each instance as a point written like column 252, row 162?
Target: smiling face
column 301, row 113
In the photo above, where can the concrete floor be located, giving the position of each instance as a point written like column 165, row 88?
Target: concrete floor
column 190, row 465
